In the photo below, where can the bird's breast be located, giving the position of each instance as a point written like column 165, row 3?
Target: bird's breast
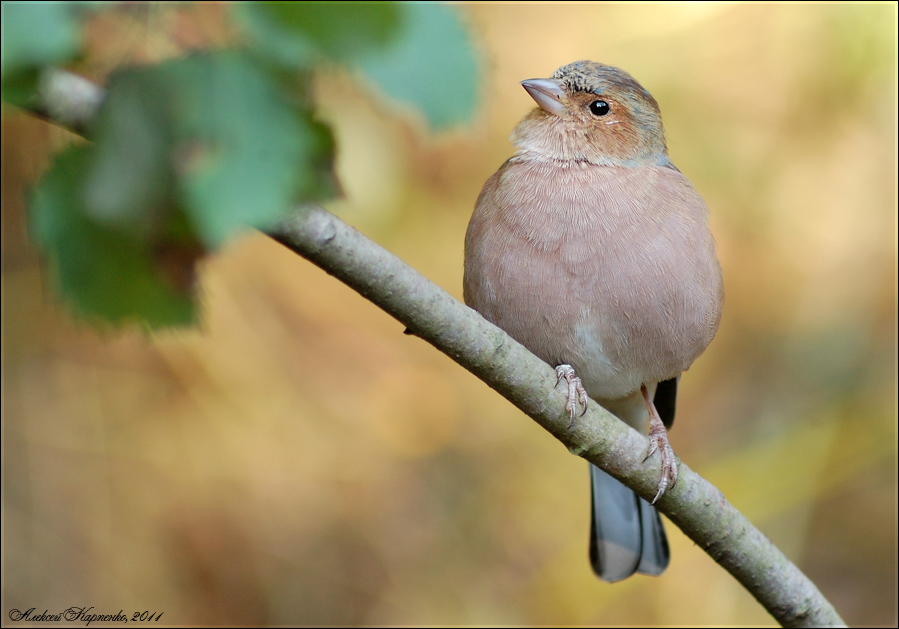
column 610, row 269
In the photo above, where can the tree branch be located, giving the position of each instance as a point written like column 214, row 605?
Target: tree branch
column 694, row 505
column 697, row 507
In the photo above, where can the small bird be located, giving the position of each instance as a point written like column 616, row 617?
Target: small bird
column 592, row 250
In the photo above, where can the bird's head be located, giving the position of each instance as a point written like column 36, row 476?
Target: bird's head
column 593, row 113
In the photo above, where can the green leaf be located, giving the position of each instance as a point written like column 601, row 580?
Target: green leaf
column 20, row 88
column 299, row 33
column 245, row 156
column 419, row 53
column 212, row 134
column 130, row 180
column 100, row 271
column 187, row 154
column 432, row 65
column 36, row 34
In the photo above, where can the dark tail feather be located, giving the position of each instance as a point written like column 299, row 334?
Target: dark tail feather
column 626, row 533
column 665, row 400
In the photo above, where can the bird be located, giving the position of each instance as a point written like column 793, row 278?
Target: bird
column 591, row 249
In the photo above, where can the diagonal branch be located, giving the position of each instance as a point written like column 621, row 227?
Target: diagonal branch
column 694, row 505
column 697, row 507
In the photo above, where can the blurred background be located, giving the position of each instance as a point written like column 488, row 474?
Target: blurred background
column 299, row 460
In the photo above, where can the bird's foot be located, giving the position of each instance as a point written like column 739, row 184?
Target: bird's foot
column 576, row 391
column 658, row 440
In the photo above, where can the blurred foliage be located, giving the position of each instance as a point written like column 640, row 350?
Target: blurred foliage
column 35, row 35
column 427, row 67
column 99, row 269
column 191, row 151
column 300, row 34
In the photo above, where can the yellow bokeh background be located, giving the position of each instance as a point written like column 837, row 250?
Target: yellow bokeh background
column 299, row 460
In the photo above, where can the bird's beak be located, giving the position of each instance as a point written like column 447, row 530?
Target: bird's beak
column 547, row 93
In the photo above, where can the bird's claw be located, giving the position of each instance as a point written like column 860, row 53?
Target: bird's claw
column 658, row 441
column 576, row 391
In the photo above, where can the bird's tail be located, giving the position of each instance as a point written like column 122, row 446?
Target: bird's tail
column 626, row 532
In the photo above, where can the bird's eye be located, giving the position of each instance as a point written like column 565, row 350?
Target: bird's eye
column 599, row 108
